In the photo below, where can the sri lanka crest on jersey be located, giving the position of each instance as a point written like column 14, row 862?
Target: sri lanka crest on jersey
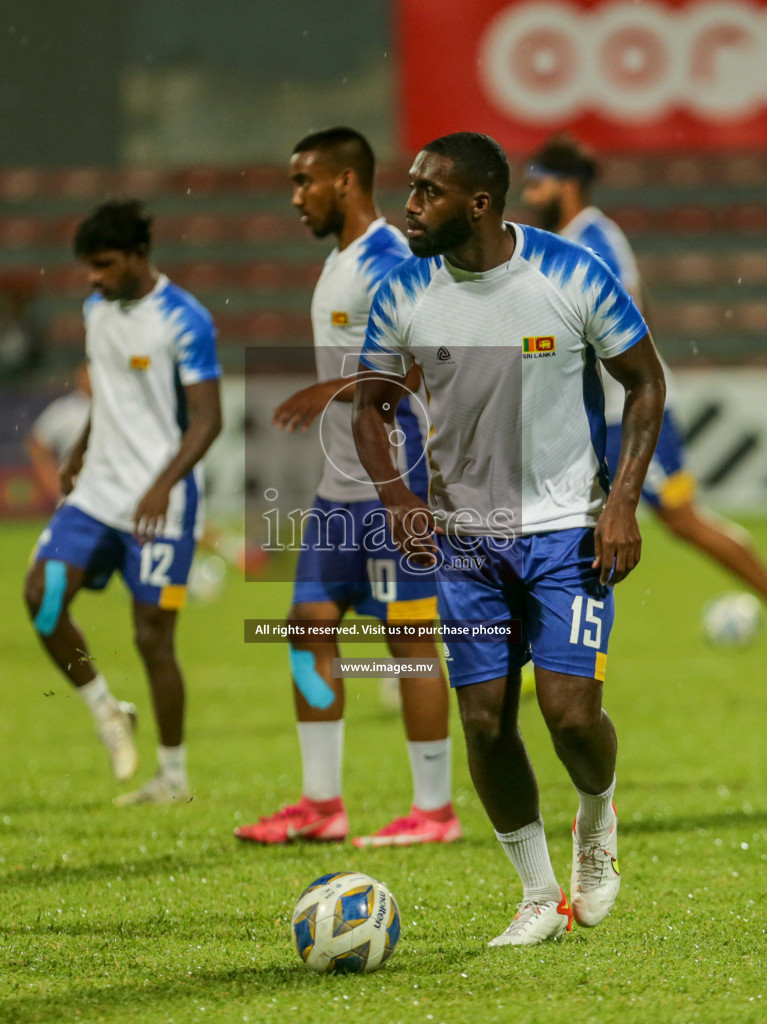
column 539, row 347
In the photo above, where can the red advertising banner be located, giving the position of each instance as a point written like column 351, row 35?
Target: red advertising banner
column 674, row 75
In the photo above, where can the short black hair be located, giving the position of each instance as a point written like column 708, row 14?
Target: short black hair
column 479, row 161
column 565, row 157
column 118, row 224
column 344, row 147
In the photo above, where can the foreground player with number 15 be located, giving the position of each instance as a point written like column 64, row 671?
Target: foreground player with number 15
column 507, row 323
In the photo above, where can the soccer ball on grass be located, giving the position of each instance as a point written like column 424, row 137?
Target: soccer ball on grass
column 732, row 619
column 346, row 921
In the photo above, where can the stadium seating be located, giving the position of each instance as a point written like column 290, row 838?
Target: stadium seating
column 230, row 235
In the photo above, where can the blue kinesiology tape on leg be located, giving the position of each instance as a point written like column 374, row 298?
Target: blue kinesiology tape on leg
column 308, row 680
column 49, row 613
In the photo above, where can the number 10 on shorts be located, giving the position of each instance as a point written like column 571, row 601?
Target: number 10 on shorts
column 591, row 637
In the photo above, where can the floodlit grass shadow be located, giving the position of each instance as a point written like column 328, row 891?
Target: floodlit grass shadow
column 723, row 819
column 55, row 805
column 58, row 873
column 100, row 1002
column 667, row 785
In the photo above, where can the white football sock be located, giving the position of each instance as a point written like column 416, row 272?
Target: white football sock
column 528, row 852
column 99, row 699
column 322, row 751
column 430, row 765
column 172, row 763
column 595, row 812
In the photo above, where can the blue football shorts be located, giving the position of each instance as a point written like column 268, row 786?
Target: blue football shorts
column 540, row 591
column 667, row 484
column 154, row 572
column 347, row 556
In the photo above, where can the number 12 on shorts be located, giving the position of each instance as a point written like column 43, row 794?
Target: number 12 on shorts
column 156, row 559
column 592, row 637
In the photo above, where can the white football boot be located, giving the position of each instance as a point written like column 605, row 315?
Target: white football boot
column 159, row 790
column 595, row 879
column 537, row 922
column 116, row 734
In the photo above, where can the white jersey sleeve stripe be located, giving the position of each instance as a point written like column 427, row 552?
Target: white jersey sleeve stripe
column 611, row 320
column 597, row 232
column 385, row 348
column 195, row 335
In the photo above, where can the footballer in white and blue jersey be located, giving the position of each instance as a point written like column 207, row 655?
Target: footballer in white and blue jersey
column 556, row 189
column 668, row 483
column 507, row 325
column 347, row 557
column 132, row 484
column 346, row 552
column 517, row 442
column 141, row 355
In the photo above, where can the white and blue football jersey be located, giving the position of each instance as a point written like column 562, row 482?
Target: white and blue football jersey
column 509, row 361
column 596, row 231
column 141, row 355
column 602, row 235
column 340, row 309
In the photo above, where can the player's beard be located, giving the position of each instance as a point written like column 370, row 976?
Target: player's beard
column 447, row 237
column 127, row 289
column 333, row 224
column 549, row 215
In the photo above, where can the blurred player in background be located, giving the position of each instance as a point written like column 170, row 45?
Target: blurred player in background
column 132, row 484
column 332, row 174
column 507, row 323
column 54, row 433
column 557, row 190
column 52, row 437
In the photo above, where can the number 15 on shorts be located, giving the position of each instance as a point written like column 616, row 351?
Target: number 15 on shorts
column 586, row 625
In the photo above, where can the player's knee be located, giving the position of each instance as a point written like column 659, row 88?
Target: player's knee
column 310, row 627
column 45, row 592
column 482, row 725
column 571, row 725
column 152, row 637
column 301, row 615
column 34, row 586
column 307, row 679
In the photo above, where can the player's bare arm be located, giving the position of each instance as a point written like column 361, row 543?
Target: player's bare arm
column 304, row 406
column 617, row 540
column 204, row 410
column 411, row 521
column 74, row 461
column 301, row 409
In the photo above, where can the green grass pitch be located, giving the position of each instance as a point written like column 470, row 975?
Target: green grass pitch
column 149, row 915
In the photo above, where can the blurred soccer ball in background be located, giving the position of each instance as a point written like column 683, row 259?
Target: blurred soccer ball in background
column 732, row 619
column 207, row 578
column 346, row 921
